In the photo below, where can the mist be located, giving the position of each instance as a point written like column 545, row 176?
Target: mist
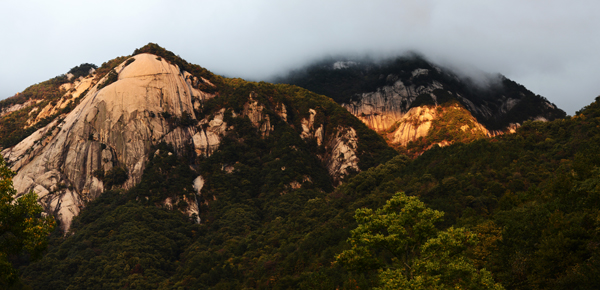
column 548, row 46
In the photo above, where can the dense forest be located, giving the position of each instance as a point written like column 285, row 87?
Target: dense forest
column 519, row 211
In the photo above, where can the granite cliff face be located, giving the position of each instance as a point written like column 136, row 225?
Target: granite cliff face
column 390, row 111
column 113, row 126
column 120, row 117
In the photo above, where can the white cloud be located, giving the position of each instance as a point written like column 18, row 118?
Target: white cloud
column 549, row 46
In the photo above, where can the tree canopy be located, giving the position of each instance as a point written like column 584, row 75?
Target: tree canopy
column 22, row 226
column 402, row 242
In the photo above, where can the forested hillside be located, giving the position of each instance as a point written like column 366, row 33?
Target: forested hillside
column 531, row 197
column 521, row 210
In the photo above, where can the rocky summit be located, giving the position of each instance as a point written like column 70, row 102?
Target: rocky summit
column 112, row 126
column 140, row 102
column 406, row 98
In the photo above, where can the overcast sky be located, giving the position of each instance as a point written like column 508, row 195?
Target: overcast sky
column 551, row 47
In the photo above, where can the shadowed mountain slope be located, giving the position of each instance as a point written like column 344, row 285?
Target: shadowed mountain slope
column 403, row 99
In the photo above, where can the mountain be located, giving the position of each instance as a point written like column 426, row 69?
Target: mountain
column 414, row 103
column 99, row 130
column 254, row 185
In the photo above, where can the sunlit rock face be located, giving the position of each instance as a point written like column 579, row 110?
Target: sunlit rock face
column 114, row 126
column 341, row 157
column 309, row 130
column 414, row 124
column 389, row 110
column 255, row 112
column 383, row 108
column 207, row 140
column 383, row 93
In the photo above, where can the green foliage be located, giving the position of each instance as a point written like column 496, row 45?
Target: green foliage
column 82, row 70
column 109, row 66
column 115, row 176
column 22, row 226
column 166, row 176
column 442, row 265
column 524, row 206
column 111, row 78
column 526, row 184
column 129, row 61
column 115, row 244
column 12, row 126
column 401, row 240
column 590, row 111
column 399, row 228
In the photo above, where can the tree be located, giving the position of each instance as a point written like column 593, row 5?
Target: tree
column 401, row 241
column 22, row 226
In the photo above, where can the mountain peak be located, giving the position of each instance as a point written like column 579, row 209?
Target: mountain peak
column 117, row 116
column 385, row 93
column 112, row 127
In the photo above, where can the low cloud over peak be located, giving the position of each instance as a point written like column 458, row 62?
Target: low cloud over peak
column 548, row 46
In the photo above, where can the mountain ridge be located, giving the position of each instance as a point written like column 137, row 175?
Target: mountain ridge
column 381, row 93
column 146, row 99
column 256, row 185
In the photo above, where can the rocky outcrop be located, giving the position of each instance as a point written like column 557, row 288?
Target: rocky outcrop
column 254, row 111
column 308, row 128
column 414, row 124
column 72, row 90
column 341, row 158
column 207, row 139
column 7, row 110
column 383, row 108
column 198, row 96
column 22, row 153
column 388, row 110
column 281, row 111
column 114, row 126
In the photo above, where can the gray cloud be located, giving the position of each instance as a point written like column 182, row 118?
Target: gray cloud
column 549, row 46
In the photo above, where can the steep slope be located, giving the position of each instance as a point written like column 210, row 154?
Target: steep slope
column 112, row 126
column 385, row 94
column 261, row 163
column 531, row 197
column 143, row 100
column 38, row 105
